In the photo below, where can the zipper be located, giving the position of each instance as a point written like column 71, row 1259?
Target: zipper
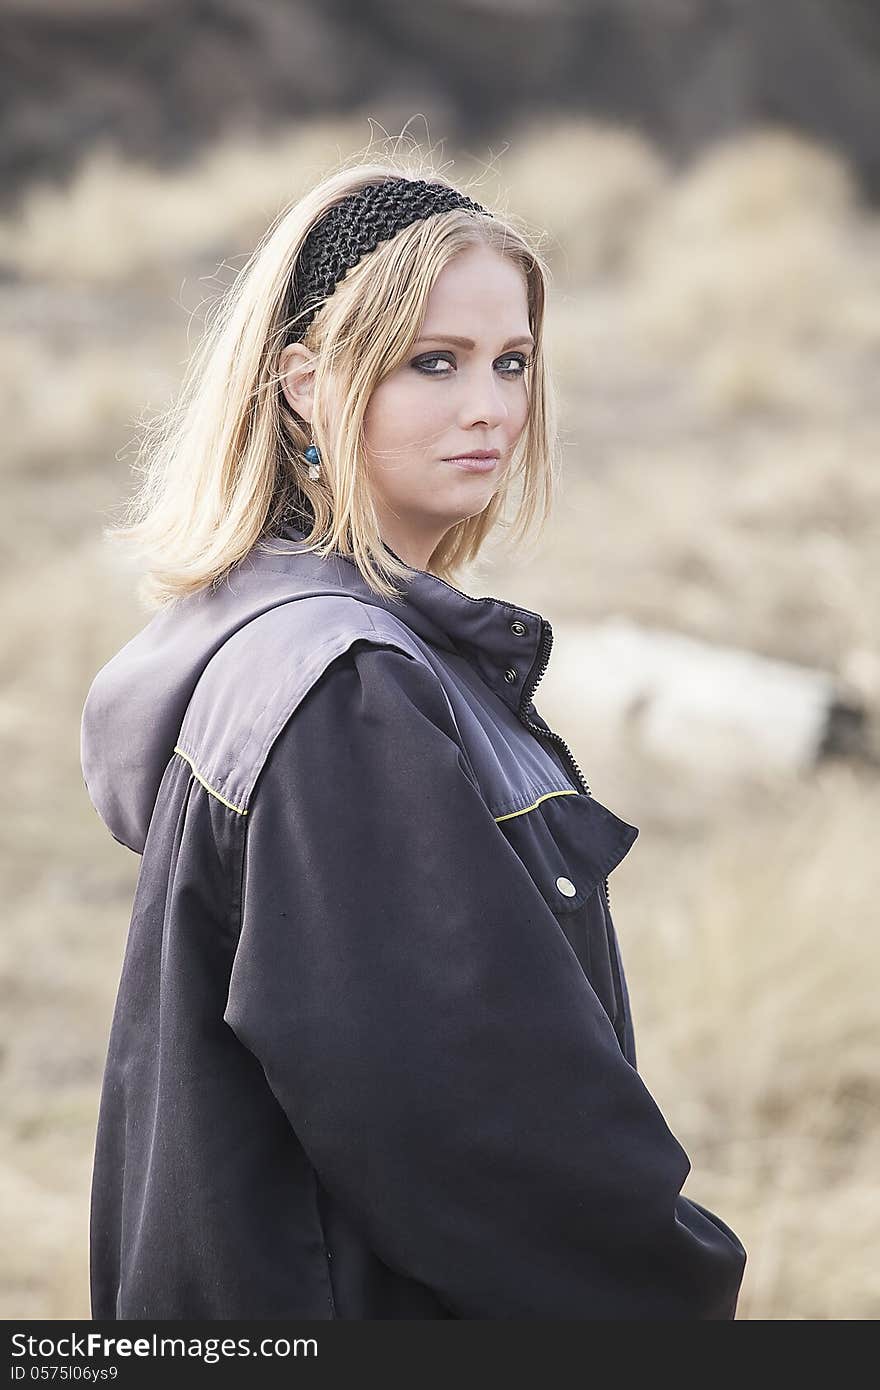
column 542, row 661
column 532, row 682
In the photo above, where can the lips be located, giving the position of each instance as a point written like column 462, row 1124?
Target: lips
column 475, row 454
column 475, row 463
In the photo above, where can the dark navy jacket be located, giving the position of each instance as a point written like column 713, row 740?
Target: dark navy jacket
column 372, row 1054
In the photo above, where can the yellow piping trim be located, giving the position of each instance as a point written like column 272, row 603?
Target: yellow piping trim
column 510, row 814
column 208, row 788
column 242, row 812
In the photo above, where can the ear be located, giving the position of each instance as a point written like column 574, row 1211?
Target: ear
column 296, row 366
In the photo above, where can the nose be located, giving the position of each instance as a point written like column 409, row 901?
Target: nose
column 483, row 401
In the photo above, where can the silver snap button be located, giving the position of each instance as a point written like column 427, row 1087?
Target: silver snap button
column 510, row 675
column 566, row 886
column 519, row 629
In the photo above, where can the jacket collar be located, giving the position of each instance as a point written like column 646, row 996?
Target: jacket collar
column 507, row 644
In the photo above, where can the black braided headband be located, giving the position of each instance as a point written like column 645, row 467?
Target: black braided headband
column 356, row 225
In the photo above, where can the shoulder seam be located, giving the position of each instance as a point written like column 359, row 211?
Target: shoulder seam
column 286, row 713
column 187, row 757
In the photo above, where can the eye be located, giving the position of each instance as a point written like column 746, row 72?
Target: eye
column 421, row 364
column 521, row 361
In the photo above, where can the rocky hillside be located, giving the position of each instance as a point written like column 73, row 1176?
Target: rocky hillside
column 161, row 77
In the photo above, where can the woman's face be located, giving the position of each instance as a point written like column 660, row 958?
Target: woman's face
column 460, row 390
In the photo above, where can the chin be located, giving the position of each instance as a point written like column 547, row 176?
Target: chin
column 467, row 503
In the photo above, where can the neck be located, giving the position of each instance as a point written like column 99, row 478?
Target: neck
column 414, row 546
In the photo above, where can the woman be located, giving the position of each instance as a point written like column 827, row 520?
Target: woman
column 372, row 1054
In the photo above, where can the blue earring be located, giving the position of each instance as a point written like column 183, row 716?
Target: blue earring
column 314, row 459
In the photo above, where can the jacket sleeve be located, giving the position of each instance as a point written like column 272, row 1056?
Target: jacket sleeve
column 432, row 1038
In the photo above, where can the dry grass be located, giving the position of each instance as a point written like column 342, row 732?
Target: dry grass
column 716, row 334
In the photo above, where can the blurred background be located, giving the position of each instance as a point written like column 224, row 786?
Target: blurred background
column 704, row 176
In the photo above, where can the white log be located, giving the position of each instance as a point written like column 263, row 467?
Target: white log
column 717, row 709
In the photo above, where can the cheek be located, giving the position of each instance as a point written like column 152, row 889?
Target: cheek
column 400, row 416
column 519, row 416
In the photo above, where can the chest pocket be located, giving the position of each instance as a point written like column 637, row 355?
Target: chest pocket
column 570, row 843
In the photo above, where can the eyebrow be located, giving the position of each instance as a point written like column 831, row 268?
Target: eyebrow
column 468, row 343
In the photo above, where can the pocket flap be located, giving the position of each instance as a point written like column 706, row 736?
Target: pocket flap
column 569, row 844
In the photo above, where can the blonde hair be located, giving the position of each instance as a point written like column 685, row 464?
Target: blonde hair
column 223, row 468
